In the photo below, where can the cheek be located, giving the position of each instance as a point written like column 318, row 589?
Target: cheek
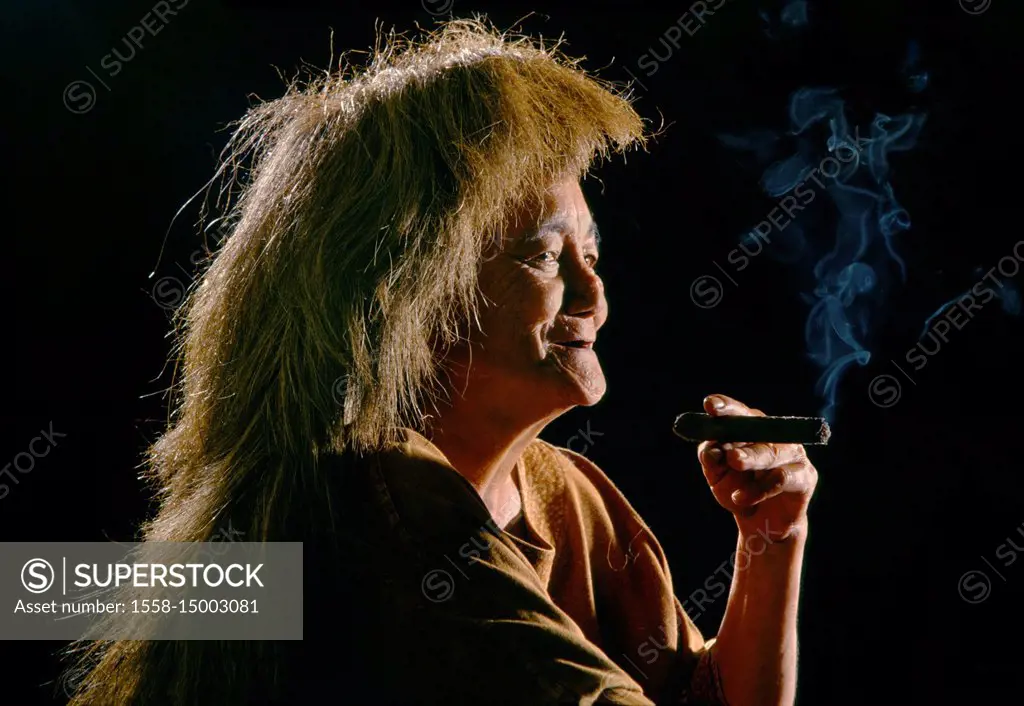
column 522, row 303
column 539, row 304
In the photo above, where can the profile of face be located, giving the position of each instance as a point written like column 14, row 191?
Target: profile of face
column 542, row 305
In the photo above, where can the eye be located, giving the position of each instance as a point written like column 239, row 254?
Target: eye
column 591, row 260
column 545, row 258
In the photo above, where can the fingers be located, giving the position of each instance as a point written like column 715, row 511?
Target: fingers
column 718, row 404
column 791, row 478
column 754, row 457
column 747, row 456
column 744, row 474
column 718, row 459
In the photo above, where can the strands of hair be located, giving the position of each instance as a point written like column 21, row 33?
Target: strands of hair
column 361, row 204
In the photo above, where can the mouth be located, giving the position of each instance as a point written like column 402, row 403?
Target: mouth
column 579, row 343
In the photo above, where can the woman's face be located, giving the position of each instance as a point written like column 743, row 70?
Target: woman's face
column 543, row 304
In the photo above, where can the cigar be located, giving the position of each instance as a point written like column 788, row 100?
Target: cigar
column 697, row 426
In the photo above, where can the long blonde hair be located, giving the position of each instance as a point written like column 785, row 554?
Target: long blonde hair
column 361, row 202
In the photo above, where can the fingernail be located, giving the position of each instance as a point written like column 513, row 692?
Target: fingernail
column 727, row 446
column 717, row 402
column 714, row 455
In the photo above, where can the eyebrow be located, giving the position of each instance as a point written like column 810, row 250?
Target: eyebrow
column 562, row 224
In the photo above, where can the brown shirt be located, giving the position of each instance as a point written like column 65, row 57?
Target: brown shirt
column 572, row 603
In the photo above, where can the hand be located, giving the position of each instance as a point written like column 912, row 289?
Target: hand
column 765, row 486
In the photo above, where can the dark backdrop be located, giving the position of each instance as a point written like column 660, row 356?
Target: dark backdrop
column 913, row 495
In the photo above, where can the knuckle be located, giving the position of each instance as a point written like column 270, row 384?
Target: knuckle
column 764, row 455
column 792, row 453
column 745, row 459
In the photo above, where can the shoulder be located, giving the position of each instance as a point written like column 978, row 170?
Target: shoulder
column 585, row 488
column 579, row 470
column 407, row 494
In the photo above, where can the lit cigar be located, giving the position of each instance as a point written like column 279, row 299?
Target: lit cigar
column 697, row 426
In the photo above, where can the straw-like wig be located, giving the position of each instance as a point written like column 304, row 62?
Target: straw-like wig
column 365, row 201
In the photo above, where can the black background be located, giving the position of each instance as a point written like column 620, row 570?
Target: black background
column 911, row 497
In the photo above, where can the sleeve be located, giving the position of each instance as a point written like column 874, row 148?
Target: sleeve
column 662, row 648
column 704, row 685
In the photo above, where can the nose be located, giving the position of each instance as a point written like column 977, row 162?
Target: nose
column 584, row 292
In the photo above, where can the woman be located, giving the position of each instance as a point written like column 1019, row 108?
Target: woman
column 407, row 298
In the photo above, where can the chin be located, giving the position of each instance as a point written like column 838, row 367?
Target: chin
column 586, row 393
column 591, row 397
column 562, row 389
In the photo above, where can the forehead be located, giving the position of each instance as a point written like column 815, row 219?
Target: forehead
column 565, row 202
column 564, row 211
column 567, row 224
